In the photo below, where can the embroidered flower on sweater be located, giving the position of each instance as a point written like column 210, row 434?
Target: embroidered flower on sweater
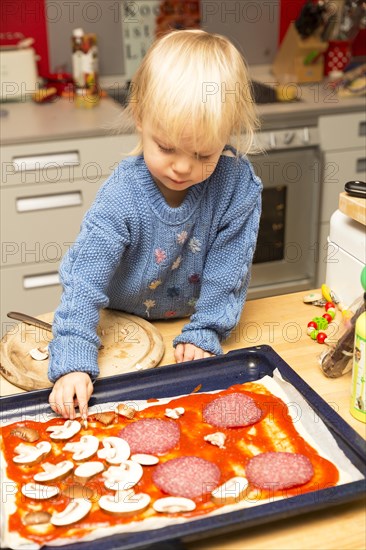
column 173, row 291
column 160, row 255
column 182, row 237
column 170, row 313
column 194, row 278
column 154, row 284
column 195, row 245
column 177, row 263
column 149, row 304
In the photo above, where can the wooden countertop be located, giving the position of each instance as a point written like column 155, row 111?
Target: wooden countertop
column 281, row 322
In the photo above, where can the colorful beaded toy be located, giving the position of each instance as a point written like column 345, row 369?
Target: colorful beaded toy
column 318, row 324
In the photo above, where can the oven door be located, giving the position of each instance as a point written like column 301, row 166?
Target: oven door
column 286, row 253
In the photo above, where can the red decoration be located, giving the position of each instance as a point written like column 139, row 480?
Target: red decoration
column 327, row 317
column 321, row 337
column 312, row 324
column 329, row 305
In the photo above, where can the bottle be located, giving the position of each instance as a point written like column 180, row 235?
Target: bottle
column 358, row 393
column 77, row 58
column 85, row 68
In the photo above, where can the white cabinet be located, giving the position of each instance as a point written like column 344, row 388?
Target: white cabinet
column 343, row 142
column 46, row 188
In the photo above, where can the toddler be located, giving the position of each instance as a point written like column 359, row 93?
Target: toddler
column 173, row 230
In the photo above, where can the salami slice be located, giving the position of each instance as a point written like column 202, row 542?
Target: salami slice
column 279, row 470
column 151, row 436
column 187, row 476
column 233, row 410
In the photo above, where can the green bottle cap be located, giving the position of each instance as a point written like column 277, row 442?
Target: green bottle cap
column 363, row 278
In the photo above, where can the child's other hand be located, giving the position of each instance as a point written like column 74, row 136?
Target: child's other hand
column 189, row 352
column 73, row 389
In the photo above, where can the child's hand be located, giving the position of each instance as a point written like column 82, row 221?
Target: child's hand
column 73, row 389
column 189, row 352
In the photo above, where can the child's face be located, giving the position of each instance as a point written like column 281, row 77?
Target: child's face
column 175, row 170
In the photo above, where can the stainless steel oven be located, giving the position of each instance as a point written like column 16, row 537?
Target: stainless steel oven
column 286, row 252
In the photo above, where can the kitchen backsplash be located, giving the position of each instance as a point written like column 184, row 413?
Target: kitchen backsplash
column 251, row 24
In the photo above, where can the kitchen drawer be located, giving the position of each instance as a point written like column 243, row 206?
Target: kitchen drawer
column 342, row 131
column 339, row 168
column 67, row 160
column 32, row 289
column 38, row 223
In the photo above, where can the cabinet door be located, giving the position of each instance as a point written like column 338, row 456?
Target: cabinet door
column 38, row 223
column 64, row 161
column 340, row 167
column 340, row 132
column 32, row 289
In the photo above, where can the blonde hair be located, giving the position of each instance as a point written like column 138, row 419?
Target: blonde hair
column 196, row 78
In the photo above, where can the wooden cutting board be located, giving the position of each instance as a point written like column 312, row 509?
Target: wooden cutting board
column 353, row 207
column 128, row 343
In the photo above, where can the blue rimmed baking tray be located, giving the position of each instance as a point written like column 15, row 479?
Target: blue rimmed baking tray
column 237, row 367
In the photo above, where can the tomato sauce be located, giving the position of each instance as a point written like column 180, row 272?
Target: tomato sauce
column 274, row 432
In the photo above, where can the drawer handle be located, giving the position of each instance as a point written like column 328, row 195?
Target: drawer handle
column 39, row 281
column 362, row 129
column 53, row 160
column 46, row 202
column 361, row 165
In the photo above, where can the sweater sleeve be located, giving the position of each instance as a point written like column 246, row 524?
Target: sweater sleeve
column 227, row 269
column 85, row 273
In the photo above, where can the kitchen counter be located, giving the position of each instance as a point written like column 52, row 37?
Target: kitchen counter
column 28, row 122
column 281, row 322
column 316, row 99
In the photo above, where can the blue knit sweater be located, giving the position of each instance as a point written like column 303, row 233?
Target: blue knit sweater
column 137, row 254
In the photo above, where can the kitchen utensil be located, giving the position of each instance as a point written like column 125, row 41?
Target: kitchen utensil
column 214, row 373
column 128, row 343
column 356, row 189
column 29, row 320
column 310, row 18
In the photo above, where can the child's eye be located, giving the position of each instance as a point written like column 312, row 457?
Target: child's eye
column 166, row 150
column 202, row 157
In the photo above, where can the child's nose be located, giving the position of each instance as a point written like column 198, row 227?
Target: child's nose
column 182, row 165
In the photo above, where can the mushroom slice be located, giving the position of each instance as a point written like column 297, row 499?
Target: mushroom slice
column 218, row 439
column 87, row 470
column 144, row 459
column 83, row 449
column 230, row 492
column 125, row 410
column 39, row 354
column 175, row 413
column 31, row 454
column 65, row 431
column 124, row 502
column 53, row 472
column 25, row 433
column 174, row 505
column 74, row 511
column 39, row 492
column 116, row 450
column 126, row 475
column 36, row 518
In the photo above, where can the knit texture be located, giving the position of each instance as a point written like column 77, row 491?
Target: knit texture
column 137, row 254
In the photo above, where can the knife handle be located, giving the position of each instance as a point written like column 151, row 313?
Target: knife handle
column 29, row 320
column 356, row 189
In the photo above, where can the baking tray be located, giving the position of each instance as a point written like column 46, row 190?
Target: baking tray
column 237, row 367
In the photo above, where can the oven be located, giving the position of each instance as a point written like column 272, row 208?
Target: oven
column 285, row 259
